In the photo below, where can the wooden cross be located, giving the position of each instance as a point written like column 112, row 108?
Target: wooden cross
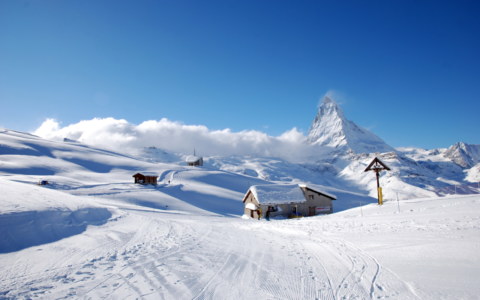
column 377, row 166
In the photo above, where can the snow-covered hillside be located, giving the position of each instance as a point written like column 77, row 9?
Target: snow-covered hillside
column 92, row 233
column 82, row 170
column 332, row 153
column 417, row 249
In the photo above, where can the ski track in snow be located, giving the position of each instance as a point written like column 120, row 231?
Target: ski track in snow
column 204, row 258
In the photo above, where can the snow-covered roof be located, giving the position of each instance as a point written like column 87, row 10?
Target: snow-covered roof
column 284, row 193
column 147, row 174
column 319, row 190
column 192, row 158
column 278, row 193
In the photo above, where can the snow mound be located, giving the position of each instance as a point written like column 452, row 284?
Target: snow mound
column 32, row 215
column 25, row 229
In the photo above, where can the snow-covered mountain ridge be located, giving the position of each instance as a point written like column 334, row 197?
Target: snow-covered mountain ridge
column 347, row 150
column 330, row 128
column 465, row 155
column 415, row 172
column 344, row 150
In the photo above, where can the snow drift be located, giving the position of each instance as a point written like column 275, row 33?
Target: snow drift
column 32, row 215
column 25, row 229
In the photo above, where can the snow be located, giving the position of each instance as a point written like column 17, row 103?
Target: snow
column 330, row 128
column 32, row 215
column 278, row 193
column 463, row 154
column 192, row 159
column 426, row 249
column 93, row 233
column 319, row 189
column 473, row 175
column 153, row 174
column 251, row 206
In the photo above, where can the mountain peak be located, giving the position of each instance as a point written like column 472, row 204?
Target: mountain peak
column 327, row 100
column 330, row 128
column 463, row 154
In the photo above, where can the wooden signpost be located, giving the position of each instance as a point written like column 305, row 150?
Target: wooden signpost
column 377, row 166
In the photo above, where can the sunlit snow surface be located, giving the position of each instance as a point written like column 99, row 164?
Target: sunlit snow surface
column 278, row 193
column 184, row 238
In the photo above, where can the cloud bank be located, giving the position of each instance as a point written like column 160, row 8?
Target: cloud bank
column 121, row 136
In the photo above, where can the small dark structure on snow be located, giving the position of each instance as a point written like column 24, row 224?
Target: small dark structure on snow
column 194, row 160
column 286, row 200
column 145, row 178
column 43, row 182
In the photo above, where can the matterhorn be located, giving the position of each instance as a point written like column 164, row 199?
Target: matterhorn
column 331, row 129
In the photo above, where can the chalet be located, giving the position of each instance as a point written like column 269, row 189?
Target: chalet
column 194, row 161
column 286, row 200
column 145, row 178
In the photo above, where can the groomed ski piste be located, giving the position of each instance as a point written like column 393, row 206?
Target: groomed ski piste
column 91, row 233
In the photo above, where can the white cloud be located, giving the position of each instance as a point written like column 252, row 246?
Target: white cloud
column 48, row 126
column 120, row 135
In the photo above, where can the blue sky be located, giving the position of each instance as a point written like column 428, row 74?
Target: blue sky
column 407, row 70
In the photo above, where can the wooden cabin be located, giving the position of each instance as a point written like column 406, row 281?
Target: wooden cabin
column 145, row 178
column 286, row 200
column 194, row 161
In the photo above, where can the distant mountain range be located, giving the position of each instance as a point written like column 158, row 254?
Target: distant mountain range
column 349, row 148
column 346, row 149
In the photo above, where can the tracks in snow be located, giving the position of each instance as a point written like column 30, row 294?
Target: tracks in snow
column 158, row 256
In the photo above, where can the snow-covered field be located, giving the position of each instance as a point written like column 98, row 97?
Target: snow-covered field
column 421, row 249
column 93, row 234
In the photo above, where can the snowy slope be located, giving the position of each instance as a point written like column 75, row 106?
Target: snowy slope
column 447, row 175
column 82, row 170
column 331, row 129
column 415, row 172
column 423, row 249
column 27, row 154
column 184, row 238
column 473, row 174
column 32, row 215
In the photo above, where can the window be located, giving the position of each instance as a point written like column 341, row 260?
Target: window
column 273, row 208
column 310, row 197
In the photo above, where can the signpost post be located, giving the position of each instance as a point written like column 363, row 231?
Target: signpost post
column 377, row 166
